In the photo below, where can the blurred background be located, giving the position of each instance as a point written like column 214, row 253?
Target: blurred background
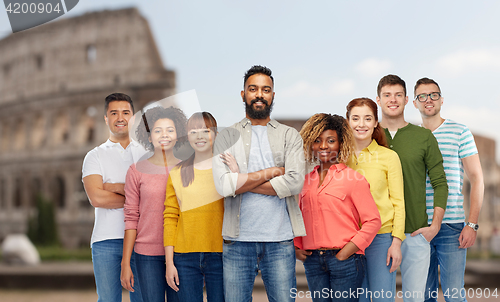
column 54, row 78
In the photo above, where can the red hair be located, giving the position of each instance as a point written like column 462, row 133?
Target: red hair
column 378, row 133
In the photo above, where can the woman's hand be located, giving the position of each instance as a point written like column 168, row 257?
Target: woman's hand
column 394, row 253
column 301, row 254
column 127, row 278
column 172, row 276
column 230, row 161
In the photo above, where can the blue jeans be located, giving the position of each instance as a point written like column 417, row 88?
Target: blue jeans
column 151, row 276
column 196, row 269
column 379, row 283
column 106, row 259
column 242, row 261
column 416, row 253
column 330, row 279
column 451, row 260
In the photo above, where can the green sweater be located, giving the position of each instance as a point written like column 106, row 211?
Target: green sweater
column 419, row 153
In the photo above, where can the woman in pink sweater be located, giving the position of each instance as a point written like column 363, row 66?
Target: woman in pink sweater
column 160, row 130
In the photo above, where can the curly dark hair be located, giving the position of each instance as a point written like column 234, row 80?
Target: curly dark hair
column 320, row 122
column 150, row 117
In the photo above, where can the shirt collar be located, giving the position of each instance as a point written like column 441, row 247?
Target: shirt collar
column 245, row 122
column 337, row 167
column 372, row 146
column 109, row 143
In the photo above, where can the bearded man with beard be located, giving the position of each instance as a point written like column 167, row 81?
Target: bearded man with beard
column 261, row 215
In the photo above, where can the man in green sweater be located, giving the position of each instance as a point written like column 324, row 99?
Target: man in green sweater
column 419, row 154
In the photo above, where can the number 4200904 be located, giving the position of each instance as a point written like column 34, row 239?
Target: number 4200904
column 33, row 8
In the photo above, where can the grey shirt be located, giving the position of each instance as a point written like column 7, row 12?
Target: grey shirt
column 287, row 151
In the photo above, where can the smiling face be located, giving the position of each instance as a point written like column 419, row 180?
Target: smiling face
column 117, row 118
column 392, row 100
column 201, row 140
column 362, row 122
column 429, row 107
column 326, row 148
column 258, row 96
column 163, row 134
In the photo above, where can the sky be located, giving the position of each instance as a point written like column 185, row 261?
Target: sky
column 325, row 53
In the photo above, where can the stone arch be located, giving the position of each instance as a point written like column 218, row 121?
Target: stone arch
column 38, row 135
column 19, row 142
column 60, row 130
column 86, row 127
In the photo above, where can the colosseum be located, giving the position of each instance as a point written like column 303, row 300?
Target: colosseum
column 53, row 81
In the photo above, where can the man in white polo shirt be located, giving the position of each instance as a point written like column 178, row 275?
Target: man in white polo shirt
column 103, row 174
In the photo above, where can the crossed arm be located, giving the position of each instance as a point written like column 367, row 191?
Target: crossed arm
column 104, row 195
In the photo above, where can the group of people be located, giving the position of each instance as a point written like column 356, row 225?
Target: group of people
column 187, row 206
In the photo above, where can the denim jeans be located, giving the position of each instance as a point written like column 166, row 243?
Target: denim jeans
column 151, row 276
column 451, row 260
column 416, row 253
column 330, row 279
column 106, row 259
column 196, row 269
column 379, row 283
column 243, row 260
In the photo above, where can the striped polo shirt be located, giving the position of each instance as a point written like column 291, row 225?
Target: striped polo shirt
column 455, row 142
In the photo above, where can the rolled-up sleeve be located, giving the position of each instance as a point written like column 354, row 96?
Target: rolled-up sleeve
column 292, row 181
column 225, row 181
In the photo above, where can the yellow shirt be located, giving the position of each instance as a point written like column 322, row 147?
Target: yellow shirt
column 382, row 168
column 193, row 215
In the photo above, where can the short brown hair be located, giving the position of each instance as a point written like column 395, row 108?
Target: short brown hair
column 424, row 81
column 389, row 80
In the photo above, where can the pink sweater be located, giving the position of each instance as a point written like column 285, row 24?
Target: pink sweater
column 145, row 188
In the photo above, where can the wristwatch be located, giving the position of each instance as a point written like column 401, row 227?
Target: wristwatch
column 474, row 226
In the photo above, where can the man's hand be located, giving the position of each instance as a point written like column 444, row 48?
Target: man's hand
column 114, row 188
column 429, row 232
column 301, row 254
column 394, row 253
column 467, row 237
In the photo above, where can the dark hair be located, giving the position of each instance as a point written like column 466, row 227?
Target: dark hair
column 378, row 133
column 115, row 97
column 424, row 81
column 154, row 114
column 321, row 122
column 256, row 69
column 390, row 80
column 197, row 121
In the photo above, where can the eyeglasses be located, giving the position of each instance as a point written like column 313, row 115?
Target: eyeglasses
column 423, row 97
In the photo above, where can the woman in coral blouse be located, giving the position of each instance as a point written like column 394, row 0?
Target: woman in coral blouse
column 335, row 201
column 193, row 219
column 160, row 130
column 382, row 168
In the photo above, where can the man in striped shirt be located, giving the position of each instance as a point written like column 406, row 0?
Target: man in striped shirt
column 448, row 248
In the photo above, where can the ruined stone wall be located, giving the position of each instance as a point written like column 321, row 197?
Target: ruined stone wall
column 53, row 81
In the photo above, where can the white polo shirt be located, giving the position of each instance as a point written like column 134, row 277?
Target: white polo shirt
column 111, row 161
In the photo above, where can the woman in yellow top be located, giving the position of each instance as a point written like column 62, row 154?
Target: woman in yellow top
column 382, row 168
column 193, row 219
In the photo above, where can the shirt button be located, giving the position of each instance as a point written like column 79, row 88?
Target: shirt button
column 391, row 146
